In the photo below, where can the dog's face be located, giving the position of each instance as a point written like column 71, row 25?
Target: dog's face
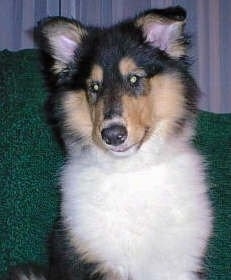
column 116, row 87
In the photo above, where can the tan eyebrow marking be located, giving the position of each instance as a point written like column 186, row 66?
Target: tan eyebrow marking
column 128, row 66
column 96, row 73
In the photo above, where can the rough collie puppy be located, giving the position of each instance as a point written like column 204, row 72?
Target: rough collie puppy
column 134, row 196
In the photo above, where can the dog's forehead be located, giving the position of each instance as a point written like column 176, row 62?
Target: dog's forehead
column 123, row 66
column 114, row 51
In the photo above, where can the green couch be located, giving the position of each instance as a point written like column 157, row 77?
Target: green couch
column 31, row 160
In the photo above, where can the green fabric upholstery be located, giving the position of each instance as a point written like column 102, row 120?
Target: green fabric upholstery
column 31, row 159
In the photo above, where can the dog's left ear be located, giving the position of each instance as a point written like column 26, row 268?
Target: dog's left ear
column 164, row 29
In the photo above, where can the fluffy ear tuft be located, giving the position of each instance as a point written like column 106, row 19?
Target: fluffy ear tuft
column 164, row 29
column 60, row 38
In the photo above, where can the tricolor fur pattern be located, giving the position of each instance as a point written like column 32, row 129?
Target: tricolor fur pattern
column 134, row 196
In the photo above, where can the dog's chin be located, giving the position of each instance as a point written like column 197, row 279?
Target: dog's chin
column 124, row 151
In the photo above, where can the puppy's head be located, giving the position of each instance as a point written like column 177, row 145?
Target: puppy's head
column 117, row 87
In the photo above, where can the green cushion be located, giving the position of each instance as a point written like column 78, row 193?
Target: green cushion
column 31, row 159
column 213, row 139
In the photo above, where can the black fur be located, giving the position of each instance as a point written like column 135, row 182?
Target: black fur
column 174, row 13
column 64, row 262
column 28, row 270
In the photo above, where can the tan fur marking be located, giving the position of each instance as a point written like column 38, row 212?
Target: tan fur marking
column 138, row 115
column 97, row 117
column 167, row 91
column 177, row 50
column 158, row 111
column 149, row 19
column 58, row 67
column 97, row 110
column 97, row 73
column 168, row 102
column 83, row 119
column 127, row 65
column 78, row 117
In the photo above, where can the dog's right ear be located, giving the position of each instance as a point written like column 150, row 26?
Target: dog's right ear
column 60, row 38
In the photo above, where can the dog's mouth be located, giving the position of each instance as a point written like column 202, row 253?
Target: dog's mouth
column 124, row 150
column 121, row 140
column 128, row 148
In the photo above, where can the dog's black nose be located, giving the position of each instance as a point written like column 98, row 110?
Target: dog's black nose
column 114, row 135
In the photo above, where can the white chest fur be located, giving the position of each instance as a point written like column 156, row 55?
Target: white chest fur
column 149, row 223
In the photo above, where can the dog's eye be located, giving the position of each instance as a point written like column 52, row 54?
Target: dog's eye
column 94, row 89
column 133, row 79
column 95, row 86
column 136, row 82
